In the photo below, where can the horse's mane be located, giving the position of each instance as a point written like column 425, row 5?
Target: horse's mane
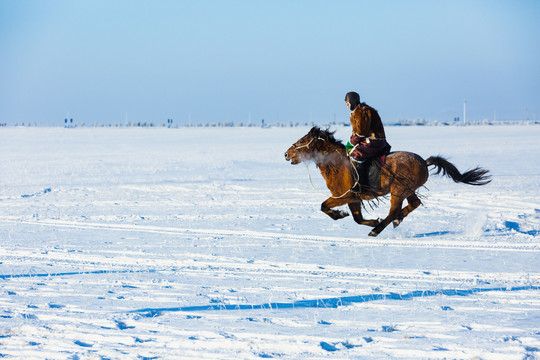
column 326, row 135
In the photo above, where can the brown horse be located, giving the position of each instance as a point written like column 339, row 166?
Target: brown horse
column 401, row 175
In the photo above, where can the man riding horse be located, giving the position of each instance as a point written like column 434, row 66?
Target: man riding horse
column 368, row 140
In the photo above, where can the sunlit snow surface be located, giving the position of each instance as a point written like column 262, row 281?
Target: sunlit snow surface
column 205, row 243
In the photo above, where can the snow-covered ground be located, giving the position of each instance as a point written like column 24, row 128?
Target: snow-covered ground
column 206, row 244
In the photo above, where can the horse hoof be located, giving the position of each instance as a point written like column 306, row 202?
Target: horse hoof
column 396, row 223
column 338, row 214
column 373, row 233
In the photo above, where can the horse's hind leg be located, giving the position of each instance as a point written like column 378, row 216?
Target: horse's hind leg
column 414, row 202
column 356, row 210
column 395, row 209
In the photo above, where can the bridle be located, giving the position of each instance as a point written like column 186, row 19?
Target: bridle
column 308, row 144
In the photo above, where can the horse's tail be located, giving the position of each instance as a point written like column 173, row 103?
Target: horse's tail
column 476, row 176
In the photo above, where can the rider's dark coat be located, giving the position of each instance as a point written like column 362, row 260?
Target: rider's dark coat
column 368, row 138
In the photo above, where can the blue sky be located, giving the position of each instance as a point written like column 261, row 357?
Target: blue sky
column 210, row 61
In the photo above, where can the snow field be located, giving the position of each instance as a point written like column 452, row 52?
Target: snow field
column 205, row 243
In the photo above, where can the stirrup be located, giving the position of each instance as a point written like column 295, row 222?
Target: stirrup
column 357, row 189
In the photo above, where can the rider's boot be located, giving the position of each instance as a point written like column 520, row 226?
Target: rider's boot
column 362, row 182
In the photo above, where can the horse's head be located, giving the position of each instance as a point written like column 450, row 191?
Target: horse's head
column 307, row 146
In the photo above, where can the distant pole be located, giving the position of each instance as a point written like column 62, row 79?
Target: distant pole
column 464, row 111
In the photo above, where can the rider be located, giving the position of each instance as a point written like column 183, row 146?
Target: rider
column 367, row 140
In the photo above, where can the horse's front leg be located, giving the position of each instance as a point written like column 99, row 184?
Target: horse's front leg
column 356, row 210
column 330, row 203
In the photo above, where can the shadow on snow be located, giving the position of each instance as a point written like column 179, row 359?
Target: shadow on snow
column 333, row 302
column 15, row 276
column 508, row 226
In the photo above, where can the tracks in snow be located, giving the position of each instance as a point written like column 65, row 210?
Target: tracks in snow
column 491, row 245
column 120, row 260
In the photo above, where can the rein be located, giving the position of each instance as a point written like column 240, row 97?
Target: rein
column 332, row 197
column 309, row 174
